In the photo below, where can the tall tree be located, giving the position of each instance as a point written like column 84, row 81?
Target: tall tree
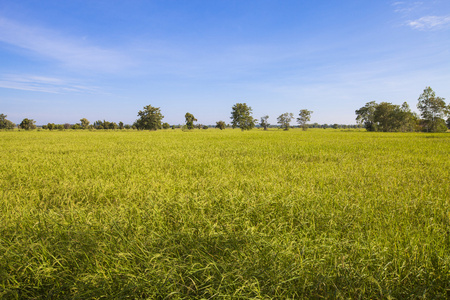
column 264, row 122
column 366, row 116
column 150, row 118
column 384, row 116
column 304, row 117
column 433, row 110
column 284, row 120
column 241, row 116
column 28, row 124
column 406, row 119
column 84, row 123
column 190, row 119
column 390, row 117
column 5, row 123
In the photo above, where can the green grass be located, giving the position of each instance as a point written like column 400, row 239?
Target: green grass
column 224, row 214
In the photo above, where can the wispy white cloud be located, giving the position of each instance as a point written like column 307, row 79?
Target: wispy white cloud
column 407, row 7
column 71, row 52
column 43, row 84
column 422, row 15
column 430, row 23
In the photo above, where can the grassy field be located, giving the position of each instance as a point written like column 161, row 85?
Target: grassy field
column 224, row 214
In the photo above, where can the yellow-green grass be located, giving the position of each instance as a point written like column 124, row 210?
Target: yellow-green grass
column 224, row 214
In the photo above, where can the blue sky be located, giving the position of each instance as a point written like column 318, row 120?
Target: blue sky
column 61, row 61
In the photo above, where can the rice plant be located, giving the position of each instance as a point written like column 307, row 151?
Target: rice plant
column 224, row 214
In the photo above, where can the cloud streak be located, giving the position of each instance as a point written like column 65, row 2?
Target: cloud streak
column 42, row 84
column 71, row 52
column 406, row 8
column 430, row 23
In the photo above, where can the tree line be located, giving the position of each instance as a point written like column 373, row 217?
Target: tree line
column 150, row 118
column 241, row 117
column 389, row 117
column 373, row 116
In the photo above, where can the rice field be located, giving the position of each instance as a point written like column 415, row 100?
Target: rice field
column 212, row 214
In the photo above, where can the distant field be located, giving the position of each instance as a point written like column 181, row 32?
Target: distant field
column 224, row 214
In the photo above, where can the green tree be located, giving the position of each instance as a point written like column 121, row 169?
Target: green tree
column 304, row 118
column 5, row 123
column 150, row 118
column 106, row 124
column 221, row 125
column 98, row 124
column 386, row 117
column 84, row 123
column 190, row 119
column 284, row 120
column 264, row 122
column 406, row 120
column 51, row 126
column 28, row 124
column 112, row 125
column 241, row 116
column 366, row 116
column 121, row 125
column 165, row 126
column 433, row 110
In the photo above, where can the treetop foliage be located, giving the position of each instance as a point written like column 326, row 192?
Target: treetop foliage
column 105, row 125
column 190, row 119
column 5, row 123
column 264, row 123
column 433, row 111
column 28, row 124
column 149, row 118
column 284, row 120
column 221, row 125
column 304, row 117
column 241, row 116
column 84, row 122
column 386, row 116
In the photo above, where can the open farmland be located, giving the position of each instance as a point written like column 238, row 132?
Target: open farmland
column 224, row 214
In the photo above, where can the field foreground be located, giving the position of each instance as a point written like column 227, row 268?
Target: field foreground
column 224, row 214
